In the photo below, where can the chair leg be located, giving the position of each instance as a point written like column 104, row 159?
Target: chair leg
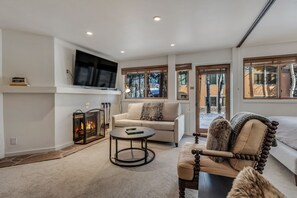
column 182, row 187
column 183, row 184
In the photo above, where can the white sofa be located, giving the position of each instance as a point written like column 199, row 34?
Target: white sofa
column 282, row 152
column 170, row 129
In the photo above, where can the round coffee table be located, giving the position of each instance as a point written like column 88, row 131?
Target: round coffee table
column 120, row 134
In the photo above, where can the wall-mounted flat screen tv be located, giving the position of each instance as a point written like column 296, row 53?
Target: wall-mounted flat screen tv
column 94, row 71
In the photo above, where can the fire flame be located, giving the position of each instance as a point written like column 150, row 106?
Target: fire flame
column 90, row 125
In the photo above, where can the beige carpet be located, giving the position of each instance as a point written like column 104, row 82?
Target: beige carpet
column 88, row 173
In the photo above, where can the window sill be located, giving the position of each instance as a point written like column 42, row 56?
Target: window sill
column 155, row 100
column 271, row 101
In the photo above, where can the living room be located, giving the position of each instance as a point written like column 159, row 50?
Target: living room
column 39, row 41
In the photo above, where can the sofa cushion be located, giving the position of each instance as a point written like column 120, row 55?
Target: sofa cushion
column 249, row 141
column 128, row 123
column 171, row 110
column 218, row 136
column 134, row 111
column 152, row 111
column 159, row 125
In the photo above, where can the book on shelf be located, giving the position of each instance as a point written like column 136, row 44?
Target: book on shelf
column 19, row 84
column 135, row 131
column 19, row 81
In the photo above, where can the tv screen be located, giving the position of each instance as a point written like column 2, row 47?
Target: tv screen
column 94, row 71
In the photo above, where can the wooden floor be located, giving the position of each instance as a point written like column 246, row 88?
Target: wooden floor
column 213, row 186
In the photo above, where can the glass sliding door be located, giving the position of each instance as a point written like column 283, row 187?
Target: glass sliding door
column 212, row 94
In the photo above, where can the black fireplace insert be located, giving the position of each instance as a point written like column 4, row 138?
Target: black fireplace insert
column 88, row 126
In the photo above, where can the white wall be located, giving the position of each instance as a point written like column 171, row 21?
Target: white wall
column 64, row 59
column 201, row 58
column 28, row 55
column 41, row 122
column 66, row 104
column 30, row 119
column 44, row 121
column 264, row 107
column 2, row 147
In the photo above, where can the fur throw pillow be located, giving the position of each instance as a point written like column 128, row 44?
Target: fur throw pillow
column 249, row 183
column 218, row 136
column 152, row 111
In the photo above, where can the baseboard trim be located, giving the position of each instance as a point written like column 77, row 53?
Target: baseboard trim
column 39, row 150
column 32, row 151
column 61, row 146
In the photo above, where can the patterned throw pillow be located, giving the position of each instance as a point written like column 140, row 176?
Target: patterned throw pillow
column 152, row 111
column 218, row 136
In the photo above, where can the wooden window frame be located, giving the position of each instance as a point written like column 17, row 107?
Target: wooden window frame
column 273, row 60
column 183, row 67
column 146, row 70
column 177, row 85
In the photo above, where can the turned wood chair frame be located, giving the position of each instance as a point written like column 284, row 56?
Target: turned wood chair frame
column 260, row 159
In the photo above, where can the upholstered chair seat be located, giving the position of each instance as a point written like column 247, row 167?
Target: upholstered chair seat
column 186, row 163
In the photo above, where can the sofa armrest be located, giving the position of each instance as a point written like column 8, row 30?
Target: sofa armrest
column 179, row 128
column 117, row 117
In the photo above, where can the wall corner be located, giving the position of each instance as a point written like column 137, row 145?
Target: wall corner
column 2, row 146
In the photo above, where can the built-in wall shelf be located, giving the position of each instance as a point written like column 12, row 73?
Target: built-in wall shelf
column 58, row 90
column 26, row 89
column 77, row 90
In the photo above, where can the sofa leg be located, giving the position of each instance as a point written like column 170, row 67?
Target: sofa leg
column 182, row 187
column 176, row 144
column 295, row 179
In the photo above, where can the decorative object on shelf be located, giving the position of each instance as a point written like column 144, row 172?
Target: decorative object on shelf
column 19, row 81
column 88, row 126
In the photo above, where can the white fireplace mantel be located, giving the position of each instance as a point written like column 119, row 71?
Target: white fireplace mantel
column 60, row 90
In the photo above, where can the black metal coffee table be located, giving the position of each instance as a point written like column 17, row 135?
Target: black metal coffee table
column 120, row 134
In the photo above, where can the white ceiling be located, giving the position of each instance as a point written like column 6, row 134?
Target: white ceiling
column 193, row 25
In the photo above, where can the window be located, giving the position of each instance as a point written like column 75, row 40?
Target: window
column 135, row 82
column 270, row 77
column 146, row 82
column 183, row 80
column 156, row 85
column 265, row 75
column 183, row 85
column 212, row 79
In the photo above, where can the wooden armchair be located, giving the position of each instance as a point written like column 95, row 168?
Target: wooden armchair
column 250, row 149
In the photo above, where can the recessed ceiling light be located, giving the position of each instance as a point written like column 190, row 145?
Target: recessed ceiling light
column 172, row 44
column 89, row 33
column 157, row 18
column 122, row 52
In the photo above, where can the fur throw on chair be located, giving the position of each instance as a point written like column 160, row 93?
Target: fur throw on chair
column 218, row 136
column 249, row 183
